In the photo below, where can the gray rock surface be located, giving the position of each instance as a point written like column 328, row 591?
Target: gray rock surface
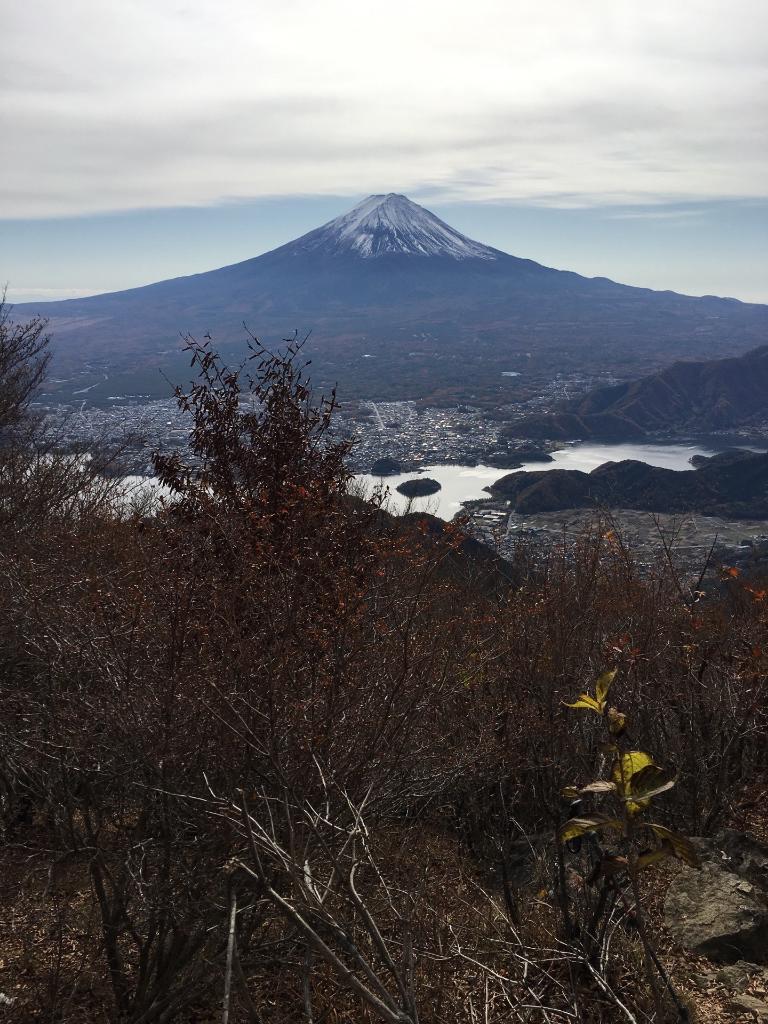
column 749, row 1004
column 743, row 855
column 737, row 977
column 721, row 911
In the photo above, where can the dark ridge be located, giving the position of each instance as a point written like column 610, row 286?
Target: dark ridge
column 687, row 397
column 733, row 484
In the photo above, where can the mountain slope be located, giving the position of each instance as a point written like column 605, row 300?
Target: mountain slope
column 685, row 398
column 399, row 305
column 733, row 484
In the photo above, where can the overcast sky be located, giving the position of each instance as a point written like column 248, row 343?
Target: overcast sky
column 266, row 113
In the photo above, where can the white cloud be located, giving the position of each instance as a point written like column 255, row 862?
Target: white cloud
column 123, row 104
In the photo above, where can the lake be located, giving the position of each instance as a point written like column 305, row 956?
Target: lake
column 467, row 483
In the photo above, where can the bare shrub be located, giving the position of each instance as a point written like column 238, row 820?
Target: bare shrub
column 276, row 740
column 24, row 357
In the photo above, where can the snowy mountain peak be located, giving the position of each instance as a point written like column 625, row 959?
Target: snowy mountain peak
column 391, row 224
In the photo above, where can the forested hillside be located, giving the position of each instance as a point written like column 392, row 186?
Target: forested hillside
column 733, row 483
column 686, row 397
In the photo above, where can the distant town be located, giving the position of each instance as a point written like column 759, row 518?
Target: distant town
column 406, row 436
column 412, row 433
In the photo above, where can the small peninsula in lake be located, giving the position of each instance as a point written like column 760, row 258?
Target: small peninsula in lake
column 386, row 466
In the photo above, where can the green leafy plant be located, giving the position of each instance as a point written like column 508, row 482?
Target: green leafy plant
column 633, row 844
column 635, row 779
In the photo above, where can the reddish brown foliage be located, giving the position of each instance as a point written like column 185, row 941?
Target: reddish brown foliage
column 264, row 636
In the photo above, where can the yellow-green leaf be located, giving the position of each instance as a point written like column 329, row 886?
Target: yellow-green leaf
column 650, row 781
column 585, row 701
column 653, row 856
column 681, row 847
column 601, row 786
column 636, row 806
column 617, row 722
column 628, row 765
column 603, row 685
column 576, row 827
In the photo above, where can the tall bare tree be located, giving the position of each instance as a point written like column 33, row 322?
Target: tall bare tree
column 24, row 358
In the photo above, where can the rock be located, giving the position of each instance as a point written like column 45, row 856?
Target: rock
column 743, row 855
column 717, row 914
column 749, row 1004
column 705, row 980
column 736, row 977
column 721, row 911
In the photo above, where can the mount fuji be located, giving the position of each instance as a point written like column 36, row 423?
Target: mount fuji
column 388, row 225
column 398, row 305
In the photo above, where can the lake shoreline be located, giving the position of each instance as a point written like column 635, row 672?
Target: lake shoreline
column 462, row 483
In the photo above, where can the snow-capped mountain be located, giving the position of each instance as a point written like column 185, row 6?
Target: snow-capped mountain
column 399, row 304
column 387, row 224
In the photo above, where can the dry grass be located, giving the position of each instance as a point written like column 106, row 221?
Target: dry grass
column 50, row 947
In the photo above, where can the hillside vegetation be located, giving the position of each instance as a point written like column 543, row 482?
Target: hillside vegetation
column 733, row 483
column 685, row 398
column 269, row 754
